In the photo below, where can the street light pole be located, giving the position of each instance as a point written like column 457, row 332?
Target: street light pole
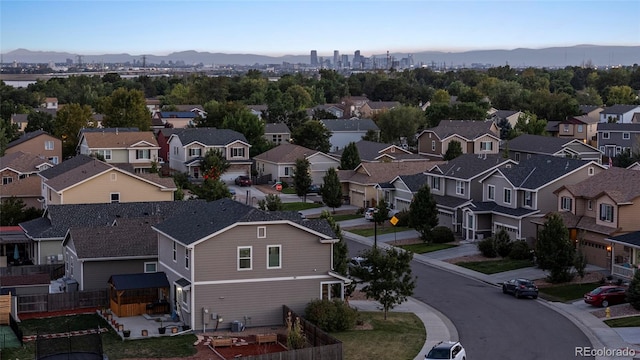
column 375, row 233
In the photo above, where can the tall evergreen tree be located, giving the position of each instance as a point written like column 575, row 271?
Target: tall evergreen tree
column 301, row 178
column 350, row 157
column 453, row 150
column 423, row 213
column 554, row 250
column 331, row 189
column 340, row 249
column 633, row 293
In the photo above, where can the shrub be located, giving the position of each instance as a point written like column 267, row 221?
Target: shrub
column 488, row 247
column 331, row 315
column 181, row 180
column 403, row 218
column 441, row 235
column 503, row 243
column 520, row 251
column 633, row 293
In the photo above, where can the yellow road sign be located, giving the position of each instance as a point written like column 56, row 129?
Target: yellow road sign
column 394, row 220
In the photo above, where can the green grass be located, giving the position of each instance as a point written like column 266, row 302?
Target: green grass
column 423, row 248
column 629, row 321
column 113, row 346
column 388, row 229
column 297, row 206
column 495, row 266
column 567, row 292
column 343, row 217
column 289, row 190
column 400, row 337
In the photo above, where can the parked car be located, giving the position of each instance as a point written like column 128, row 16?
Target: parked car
column 451, row 350
column 606, row 295
column 368, row 214
column 243, row 180
column 520, row 288
column 358, row 264
column 313, row 189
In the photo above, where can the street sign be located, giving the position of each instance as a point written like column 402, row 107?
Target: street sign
column 279, row 187
column 394, row 220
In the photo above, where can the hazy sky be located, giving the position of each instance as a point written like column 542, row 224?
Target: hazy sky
column 297, row 26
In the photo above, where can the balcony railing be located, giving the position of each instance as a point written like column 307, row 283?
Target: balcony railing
column 623, row 271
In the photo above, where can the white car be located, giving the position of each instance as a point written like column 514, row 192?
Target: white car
column 450, row 350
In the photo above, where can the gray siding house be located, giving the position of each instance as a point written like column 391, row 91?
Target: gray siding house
column 527, row 145
column 613, row 139
column 93, row 254
column 240, row 263
column 621, row 114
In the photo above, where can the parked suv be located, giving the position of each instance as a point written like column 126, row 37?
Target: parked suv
column 243, row 181
column 451, row 350
column 520, row 288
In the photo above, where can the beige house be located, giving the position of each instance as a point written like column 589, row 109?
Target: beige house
column 138, row 149
column 86, row 180
column 583, row 128
column 280, row 162
column 277, row 133
column 19, row 173
column 600, row 208
column 38, row 143
column 475, row 137
column 372, row 108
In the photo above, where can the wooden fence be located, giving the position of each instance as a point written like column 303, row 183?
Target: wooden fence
column 55, row 271
column 62, row 301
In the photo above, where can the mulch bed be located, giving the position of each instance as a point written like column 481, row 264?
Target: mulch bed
column 231, row 352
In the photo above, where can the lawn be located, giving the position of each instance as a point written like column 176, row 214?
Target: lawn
column 297, row 206
column 495, row 266
column 112, row 344
column 400, row 337
column 630, row 321
column 423, row 248
column 390, row 229
column 343, row 217
column 567, row 292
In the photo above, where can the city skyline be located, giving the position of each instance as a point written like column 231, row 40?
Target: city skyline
column 266, row 27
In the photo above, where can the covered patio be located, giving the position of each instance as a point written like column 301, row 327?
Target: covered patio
column 137, row 294
column 625, row 252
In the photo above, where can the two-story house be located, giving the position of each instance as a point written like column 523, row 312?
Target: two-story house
column 39, row 143
column 370, row 151
column 50, row 103
column 344, row 131
column 372, row 108
column 280, row 163
column 527, row 145
column 137, row 149
column 600, row 209
column 582, row 128
column 84, row 179
column 515, row 194
column 173, row 119
column 194, row 108
column 187, row 148
column 19, row 173
column 474, row 136
column 244, row 264
column 621, row 114
column 615, row 138
column 592, row 111
column 511, row 116
column 277, row 133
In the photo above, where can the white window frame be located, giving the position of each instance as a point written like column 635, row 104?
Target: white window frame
column 505, row 196
column 286, row 171
column 605, row 217
column 566, row 203
column 150, row 263
column 491, row 192
column 483, row 146
column 566, row 128
column 460, row 187
column 279, row 266
column 195, row 152
column 144, row 154
column 6, row 180
column 433, row 145
column 589, row 204
column 261, row 232
column 187, row 258
column 184, row 299
column 111, row 197
column 591, row 170
column 528, row 198
column 435, row 183
column 250, row 258
column 237, row 152
column 106, row 154
column 54, row 160
column 580, row 128
column 626, row 136
column 175, row 252
column 48, row 145
column 516, row 156
column 606, row 135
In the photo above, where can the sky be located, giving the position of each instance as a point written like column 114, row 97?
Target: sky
column 295, row 27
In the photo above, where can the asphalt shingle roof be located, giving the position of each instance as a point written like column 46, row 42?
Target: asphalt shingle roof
column 622, row 185
column 349, row 124
column 285, row 153
column 539, row 170
column 23, row 162
column 414, row 182
column 209, row 136
column 618, row 127
column 208, row 218
column 379, row 172
column 468, row 166
column 632, row 238
column 537, row 144
column 619, row 109
column 139, row 281
column 67, row 165
column 490, row 206
column 585, row 109
column 469, row 129
column 450, row 202
column 115, row 140
column 177, row 114
column 26, row 137
column 276, row 128
column 370, row 150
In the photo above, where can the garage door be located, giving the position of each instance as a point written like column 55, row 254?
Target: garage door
column 230, row 176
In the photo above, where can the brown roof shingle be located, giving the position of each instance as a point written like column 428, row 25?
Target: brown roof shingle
column 286, row 153
column 121, row 139
column 378, row 172
column 22, row 162
column 622, row 185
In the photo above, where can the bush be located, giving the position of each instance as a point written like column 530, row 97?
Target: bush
column 403, row 218
column 488, row 247
column 633, row 293
column 182, row 180
column 503, row 243
column 520, row 251
column 331, row 315
column 442, row 235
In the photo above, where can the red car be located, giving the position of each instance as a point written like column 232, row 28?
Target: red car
column 606, row 295
column 243, row 181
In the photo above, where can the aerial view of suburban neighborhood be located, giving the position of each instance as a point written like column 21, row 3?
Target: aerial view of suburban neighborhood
column 160, row 202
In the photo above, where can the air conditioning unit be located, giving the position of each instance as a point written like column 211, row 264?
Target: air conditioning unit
column 60, row 257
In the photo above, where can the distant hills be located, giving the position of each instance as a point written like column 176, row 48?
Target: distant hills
column 547, row 57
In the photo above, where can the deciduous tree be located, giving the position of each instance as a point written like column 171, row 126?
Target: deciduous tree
column 39, row 120
column 313, row 135
column 271, row 202
column 126, row 108
column 68, row 123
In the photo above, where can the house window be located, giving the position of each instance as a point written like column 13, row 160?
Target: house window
column 459, row 187
column 262, row 232
column 435, row 183
column 433, row 145
column 114, row 177
column 195, row 152
column 605, row 135
column 566, row 128
column 7, row 180
column 618, row 150
column 566, row 203
column 184, row 297
column 274, row 257
column 286, row 171
column 175, row 252
column 606, row 212
column 175, row 150
column 516, row 156
column 591, row 171
column 150, row 267
column 48, row 145
column 486, row 145
column 580, row 128
column 602, row 149
column 507, row 196
column 626, row 136
column 106, row 154
column 244, row 258
column 53, row 159
column 590, row 205
column 528, row 198
column 186, row 258
column 237, row 152
column 115, row 198
column 491, row 192
column 143, row 154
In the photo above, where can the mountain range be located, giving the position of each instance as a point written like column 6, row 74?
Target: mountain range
column 595, row 55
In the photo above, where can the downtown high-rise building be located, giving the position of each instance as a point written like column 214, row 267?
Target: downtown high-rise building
column 345, row 61
column 336, row 59
column 314, row 58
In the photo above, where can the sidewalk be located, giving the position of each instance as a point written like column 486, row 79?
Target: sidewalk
column 438, row 326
